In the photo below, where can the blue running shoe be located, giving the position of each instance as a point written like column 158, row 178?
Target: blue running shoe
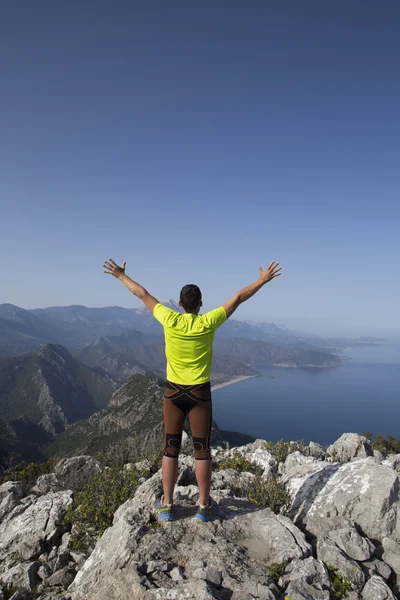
column 206, row 513
column 165, row 512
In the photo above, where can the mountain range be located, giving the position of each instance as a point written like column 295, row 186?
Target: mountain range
column 60, row 366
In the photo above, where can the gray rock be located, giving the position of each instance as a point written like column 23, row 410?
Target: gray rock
column 22, row 575
column 44, row 572
column 378, row 455
column 38, row 524
column 131, row 542
column 176, row 574
column 193, row 590
column 210, row 575
column 352, row 543
column 257, row 454
column 310, row 570
column 242, row 596
column 350, row 446
column 316, row 450
column 394, row 461
column 64, row 577
column 361, row 491
column 301, row 590
column 330, row 554
column 298, row 465
column 391, row 555
column 157, row 565
column 75, row 473
column 376, row 589
column 11, row 493
column 12, row 487
column 374, row 566
column 47, row 483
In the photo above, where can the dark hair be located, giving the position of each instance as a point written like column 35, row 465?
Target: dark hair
column 190, row 297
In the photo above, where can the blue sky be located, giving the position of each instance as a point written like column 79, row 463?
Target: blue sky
column 197, row 141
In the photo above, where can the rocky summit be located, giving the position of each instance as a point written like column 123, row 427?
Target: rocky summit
column 314, row 524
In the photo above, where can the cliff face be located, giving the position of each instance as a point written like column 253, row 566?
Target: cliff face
column 335, row 534
column 51, row 388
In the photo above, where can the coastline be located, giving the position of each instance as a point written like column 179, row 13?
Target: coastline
column 231, row 381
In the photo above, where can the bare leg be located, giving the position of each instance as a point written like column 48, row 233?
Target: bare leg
column 169, row 477
column 203, row 476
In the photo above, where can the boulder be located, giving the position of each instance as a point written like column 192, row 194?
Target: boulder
column 47, row 483
column 301, row 590
column 310, row 570
column 376, row 589
column 22, row 575
column 11, row 493
column 35, row 527
column 361, row 492
column 297, row 465
column 391, row 555
column 350, row 446
column 75, row 473
column 352, row 543
column 374, row 566
column 317, row 451
column 63, row 578
column 330, row 554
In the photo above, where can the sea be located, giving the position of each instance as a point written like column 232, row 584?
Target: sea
column 317, row 404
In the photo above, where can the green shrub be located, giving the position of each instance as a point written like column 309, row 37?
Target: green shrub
column 277, row 570
column 386, row 444
column 271, row 494
column 340, row 584
column 28, row 472
column 281, row 449
column 92, row 511
column 238, row 462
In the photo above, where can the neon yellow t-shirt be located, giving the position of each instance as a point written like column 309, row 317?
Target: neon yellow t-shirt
column 188, row 343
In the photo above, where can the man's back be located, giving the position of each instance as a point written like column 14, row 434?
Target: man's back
column 188, row 343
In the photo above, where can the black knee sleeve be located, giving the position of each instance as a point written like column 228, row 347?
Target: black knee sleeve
column 201, row 448
column 172, row 444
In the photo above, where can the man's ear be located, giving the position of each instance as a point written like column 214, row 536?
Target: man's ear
column 201, row 302
column 180, row 303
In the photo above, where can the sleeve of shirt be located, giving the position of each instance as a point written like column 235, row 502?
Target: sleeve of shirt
column 163, row 314
column 215, row 318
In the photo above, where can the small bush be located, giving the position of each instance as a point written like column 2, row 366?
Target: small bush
column 340, row 584
column 386, row 444
column 281, row 449
column 277, row 570
column 29, row 472
column 92, row 511
column 238, row 462
column 271, row 494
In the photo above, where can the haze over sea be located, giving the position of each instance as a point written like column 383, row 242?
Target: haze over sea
column 318, row 404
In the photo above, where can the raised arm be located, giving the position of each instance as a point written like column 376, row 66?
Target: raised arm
column 111, row 268
column 265, row 276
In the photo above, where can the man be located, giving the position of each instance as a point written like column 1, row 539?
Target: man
column 188, row 348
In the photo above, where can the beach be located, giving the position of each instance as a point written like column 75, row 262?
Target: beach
column 231, row 381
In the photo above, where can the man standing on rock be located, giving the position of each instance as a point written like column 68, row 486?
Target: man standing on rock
column 188, row 348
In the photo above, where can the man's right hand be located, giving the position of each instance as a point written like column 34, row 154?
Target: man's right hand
column 270, row 272
column 111, row 268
